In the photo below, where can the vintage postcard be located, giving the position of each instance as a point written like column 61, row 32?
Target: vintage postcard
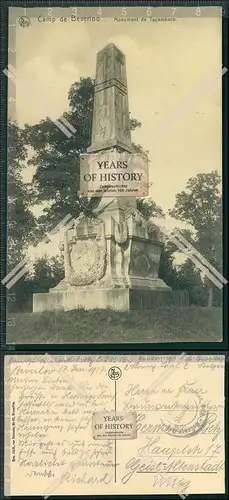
column 114, row 174
column 105, row 425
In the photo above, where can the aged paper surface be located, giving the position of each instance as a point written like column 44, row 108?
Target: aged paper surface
column 50, row 449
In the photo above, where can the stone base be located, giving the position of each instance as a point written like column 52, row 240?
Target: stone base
column 115, row 299
column 112, row 281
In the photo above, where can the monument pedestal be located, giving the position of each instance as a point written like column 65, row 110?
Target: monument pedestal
column 116, row 299
column 82, row 299
column 111, row 261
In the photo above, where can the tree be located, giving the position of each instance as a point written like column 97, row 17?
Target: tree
column 167, row 270
column 189, row 278
column 149, row 208
column 21, row 223
column 47, row 273
column 201, row 207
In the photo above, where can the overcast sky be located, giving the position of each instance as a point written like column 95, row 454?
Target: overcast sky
column 174, row 85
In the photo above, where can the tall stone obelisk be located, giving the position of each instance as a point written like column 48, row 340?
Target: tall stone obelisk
column 111, row 118
column 111, row 122
column 111, row 260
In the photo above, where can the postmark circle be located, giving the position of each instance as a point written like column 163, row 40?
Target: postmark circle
column 191, row 425
column 114, row 373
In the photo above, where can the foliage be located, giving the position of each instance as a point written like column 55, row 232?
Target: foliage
column 201, row 207
column 21, row 223
column 167, row 270
column 47, row 273
column 149, row 208
column 189, row 278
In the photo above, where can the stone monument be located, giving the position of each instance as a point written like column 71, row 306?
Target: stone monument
column 112, row 259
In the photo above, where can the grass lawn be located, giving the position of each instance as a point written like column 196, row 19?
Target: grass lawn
column 195, row 324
